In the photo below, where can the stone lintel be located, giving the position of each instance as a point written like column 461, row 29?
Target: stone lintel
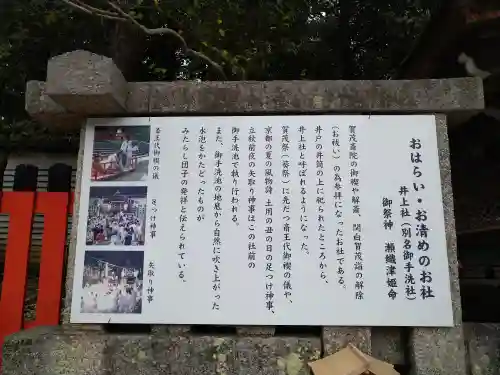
column 62, row 350
column 85, row 83
column 441, row 95
column 462, row 95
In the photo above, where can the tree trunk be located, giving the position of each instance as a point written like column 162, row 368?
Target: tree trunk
column 127, row 49
column 345, row 38
column 439, row 37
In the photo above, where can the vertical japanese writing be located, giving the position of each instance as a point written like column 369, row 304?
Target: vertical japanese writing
column 286, row 192
column 302, row 164
column 390, row 250
column 235, row 174
column 252, row 139
column 406, row 233
column 152, row 218
column 156, row 154
column 183, row 217
column 150, row 288
column 320, row 202
column 268, row 215
column 424, row 258
column 217, row 242
column 354, row 172
column 155, row 176
column 356, row 226
column 387, row 213
column 337, row 206
column 202, row 156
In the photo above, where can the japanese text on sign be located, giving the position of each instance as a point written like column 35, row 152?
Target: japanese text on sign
column 292, row 220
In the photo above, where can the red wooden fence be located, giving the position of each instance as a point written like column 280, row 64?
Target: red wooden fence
column 21, row 207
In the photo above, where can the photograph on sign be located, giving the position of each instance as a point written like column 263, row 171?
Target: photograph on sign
column 277, row 220
column 120, row 153
column 112, row 282
column 116, row 216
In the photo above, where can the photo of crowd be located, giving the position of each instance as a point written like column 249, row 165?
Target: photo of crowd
column 120, row 154
column 112, row 282
column 116, row 216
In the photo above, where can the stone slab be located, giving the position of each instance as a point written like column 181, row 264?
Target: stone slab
column 138, row 98
column 96, row 353
column 458, row 95
column 441, row 351
column 85, row 83
column 442, row 95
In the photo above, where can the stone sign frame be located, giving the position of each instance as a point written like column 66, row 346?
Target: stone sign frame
column 80, row 84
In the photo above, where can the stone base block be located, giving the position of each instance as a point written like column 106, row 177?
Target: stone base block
column 483, row 346
column 64, row 350
column 438, row 351
column 336, row 338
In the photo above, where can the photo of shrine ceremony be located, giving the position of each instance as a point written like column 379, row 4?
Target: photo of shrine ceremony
column 112, row 282
column 117, row 216
column 120, row 154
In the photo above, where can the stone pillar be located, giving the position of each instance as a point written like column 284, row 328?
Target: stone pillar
column 440, row 351
column 80, row 84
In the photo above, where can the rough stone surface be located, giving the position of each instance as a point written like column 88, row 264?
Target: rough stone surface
column 462, row 95
column 388, row 344
column 86, row 83
column 138, row 97
column 440, row 351
column 336, row 338
column 174, row 330
column 95, row 353
column 483, row 345
column 43, row 109
column 255, row 331
column 317, row 96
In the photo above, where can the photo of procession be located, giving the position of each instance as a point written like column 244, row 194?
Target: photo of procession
column 112, row 282
column 117, row 216
column 120, row 154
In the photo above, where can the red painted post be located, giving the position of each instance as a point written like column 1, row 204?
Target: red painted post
column 19, row 205
column 54, row 207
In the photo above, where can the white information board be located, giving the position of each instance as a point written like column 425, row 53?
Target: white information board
column 262, row 220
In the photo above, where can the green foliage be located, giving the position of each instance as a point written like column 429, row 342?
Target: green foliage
column 32, row 31
column 251, row 40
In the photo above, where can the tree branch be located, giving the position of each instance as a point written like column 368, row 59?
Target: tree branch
column 94, row 9
column 118, row 14
column 170, row 32
column 83, row 7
